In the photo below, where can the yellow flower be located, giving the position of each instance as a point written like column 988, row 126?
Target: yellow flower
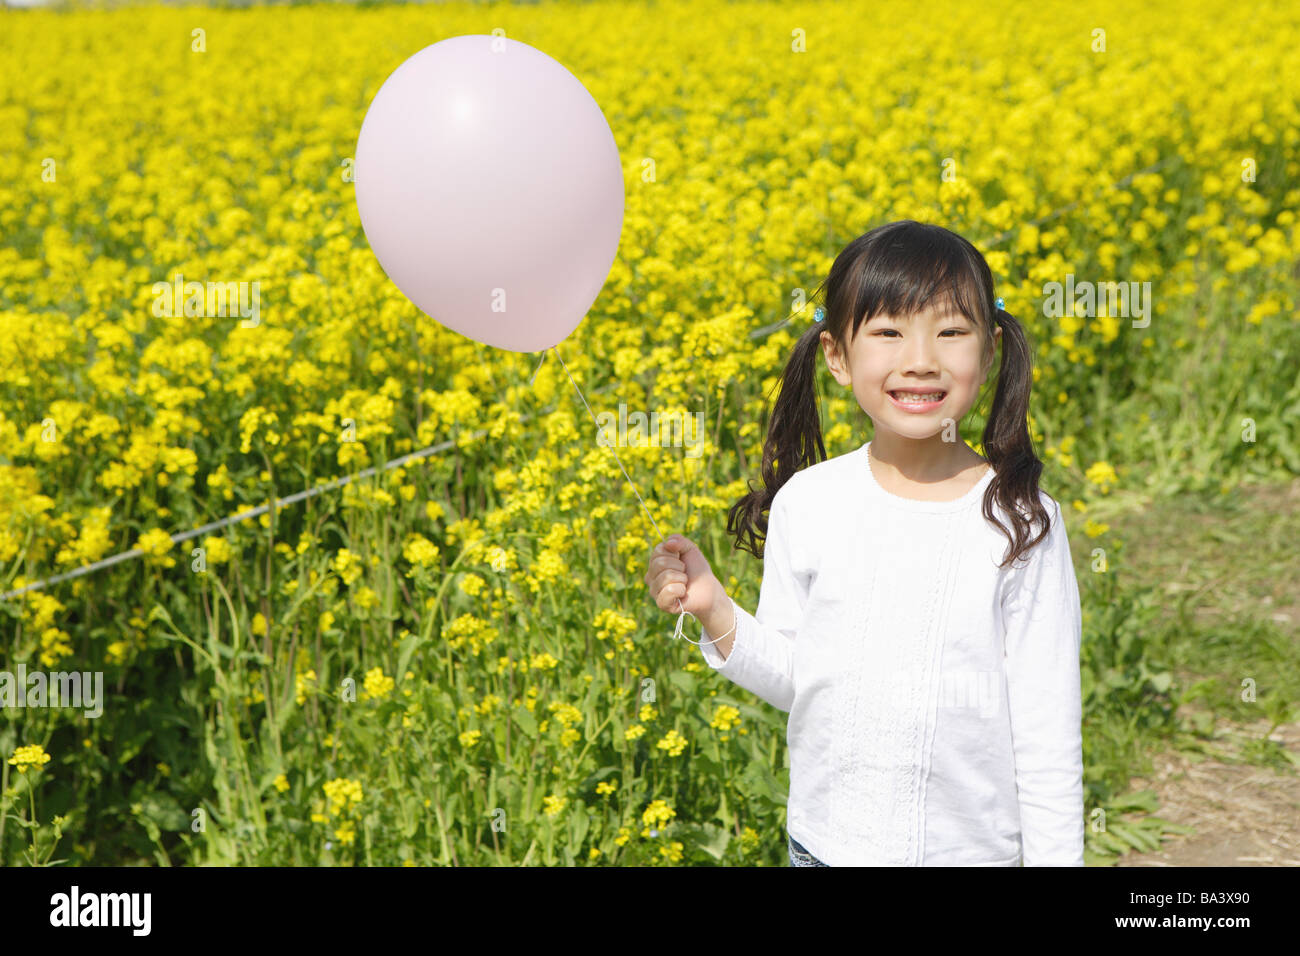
column 54, row 646
column 544, row 661
column 673, row 742
column 501, row 559
column 343, row 795
column 93, row 541
column 673, row 852
column 566, row 714
column 348, row 566
column 1093, row 529
column 725, row 717
column 33, row 755
column 657, row 815
column 469, row 738
column 303, row 684
column 281, row 783
column 346, row 835
column 554, row 805
column 155, row 543
column 548, row 568
column 1102, row 475
column 216, row 550
column 647, row 713
column 376, row 684
column 420, row 551
column 605, row 787
column 258, row 626
column 633, row 732
column 468, row 628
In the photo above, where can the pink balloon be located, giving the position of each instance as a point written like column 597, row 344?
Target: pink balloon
column 491, row 191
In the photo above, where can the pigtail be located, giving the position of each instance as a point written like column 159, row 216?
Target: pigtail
column 794, row 441
column 1008, row 447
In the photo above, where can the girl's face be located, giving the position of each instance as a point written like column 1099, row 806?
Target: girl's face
column 935, row 350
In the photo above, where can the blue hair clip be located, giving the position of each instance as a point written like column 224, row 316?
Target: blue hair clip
column 819, row 314
column 1000, row 303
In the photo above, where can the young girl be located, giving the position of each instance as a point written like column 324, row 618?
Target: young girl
column 919, row 615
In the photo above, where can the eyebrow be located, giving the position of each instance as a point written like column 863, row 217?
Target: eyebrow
column 951, row 314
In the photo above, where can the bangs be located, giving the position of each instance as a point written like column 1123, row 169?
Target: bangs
column 908, row 266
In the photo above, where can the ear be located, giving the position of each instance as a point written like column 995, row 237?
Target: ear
column 834, row 359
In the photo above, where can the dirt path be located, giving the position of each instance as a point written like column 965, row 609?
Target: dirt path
column 1244, row 815
column 1231, row 553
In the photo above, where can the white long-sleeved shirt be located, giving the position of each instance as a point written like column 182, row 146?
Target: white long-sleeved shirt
column 934, row 698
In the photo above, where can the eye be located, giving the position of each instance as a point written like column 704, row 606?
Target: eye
column 944, row 332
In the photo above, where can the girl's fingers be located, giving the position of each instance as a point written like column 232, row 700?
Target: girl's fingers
column 667, row 561
column 671, row 589
column 668, row 597
column 670, row 577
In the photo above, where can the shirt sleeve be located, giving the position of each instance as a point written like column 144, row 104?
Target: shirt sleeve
column 1043, row 622
column 762, row 652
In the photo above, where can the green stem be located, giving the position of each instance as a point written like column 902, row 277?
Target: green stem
column 31, row 802
column 232, row 727
column 4, row 788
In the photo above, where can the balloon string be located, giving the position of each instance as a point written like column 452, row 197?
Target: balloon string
column 680, row 617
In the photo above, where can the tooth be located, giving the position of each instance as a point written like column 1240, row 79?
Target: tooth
column 917, row 399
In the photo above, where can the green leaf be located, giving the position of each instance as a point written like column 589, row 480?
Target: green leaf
column 596, row 777
column 1111, row 843
column 162, row 810
column 762, row 781
column 1134, row 835
column 684, row 681
column 404, row 653
column 724, row 814
column 579, row 823
column 526, row 721
column 714, row 840
column 1141, row 800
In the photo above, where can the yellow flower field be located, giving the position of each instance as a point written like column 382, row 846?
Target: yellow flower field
column 450, row 662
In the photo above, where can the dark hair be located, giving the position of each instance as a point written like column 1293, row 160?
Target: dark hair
column 898, row 268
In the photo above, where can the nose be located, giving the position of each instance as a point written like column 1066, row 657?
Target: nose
column 919, row 356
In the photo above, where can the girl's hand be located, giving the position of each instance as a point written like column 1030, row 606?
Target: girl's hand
column 679, row 572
